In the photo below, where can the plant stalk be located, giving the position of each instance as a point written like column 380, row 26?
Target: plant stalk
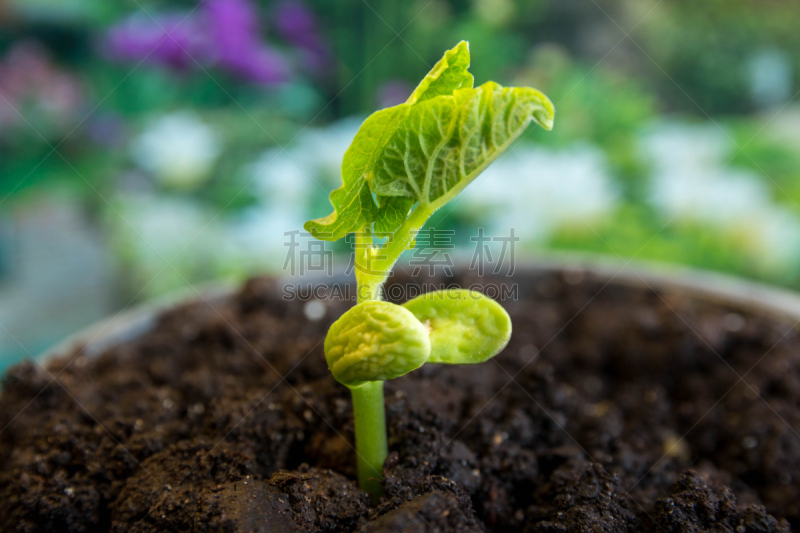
column 372, row 267
column 371, row 446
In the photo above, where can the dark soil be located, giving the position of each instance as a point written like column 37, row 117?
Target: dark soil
column 616, row 411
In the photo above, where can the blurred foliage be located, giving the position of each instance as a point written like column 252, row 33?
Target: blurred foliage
column 633, row 233
column 773, row 158
column 700, row 50
column 599, row 106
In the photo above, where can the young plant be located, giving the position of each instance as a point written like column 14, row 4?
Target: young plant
column 404, row 163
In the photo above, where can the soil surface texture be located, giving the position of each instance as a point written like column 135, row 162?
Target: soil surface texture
column 613, row 409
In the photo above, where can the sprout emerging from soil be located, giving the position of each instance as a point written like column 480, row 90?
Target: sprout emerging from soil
column 406, row 162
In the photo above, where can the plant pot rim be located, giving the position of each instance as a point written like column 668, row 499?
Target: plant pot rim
column 713, row 287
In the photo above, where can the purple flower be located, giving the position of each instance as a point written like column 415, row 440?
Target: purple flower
column 233, row 27
column 260, row 65
column 224, row 33
column 295, row 22
column 237, row 46
column 171, row 40
column 28, row 77
column 297, row 25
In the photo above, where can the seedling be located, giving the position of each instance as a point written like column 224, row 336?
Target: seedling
column 404, row 163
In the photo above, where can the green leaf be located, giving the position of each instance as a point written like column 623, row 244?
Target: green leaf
column 447, row 75
column 466, row 327
column 447, row 141
column 391, row 213
column 353, row 206
column 369, row 141
column 429, row 148
column 352, row 209
column 375, row 341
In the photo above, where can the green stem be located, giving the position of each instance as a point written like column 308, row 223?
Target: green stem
column 371, row 444
column 365, row 277
column 372, row 268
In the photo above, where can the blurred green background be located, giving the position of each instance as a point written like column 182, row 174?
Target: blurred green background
column 147, row 146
